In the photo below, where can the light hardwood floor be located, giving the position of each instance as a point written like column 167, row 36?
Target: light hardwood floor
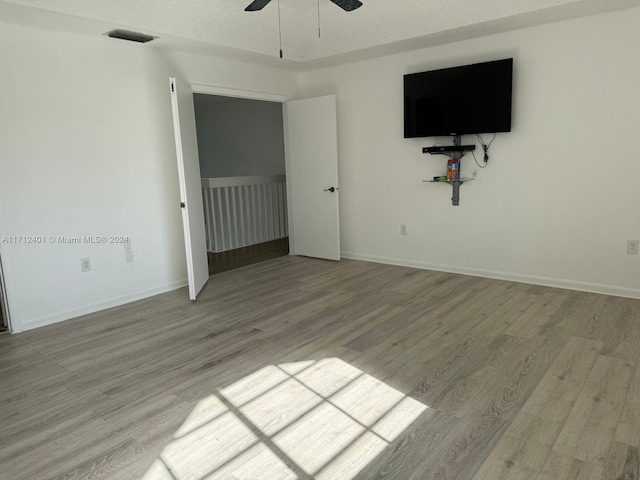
column 302, row 368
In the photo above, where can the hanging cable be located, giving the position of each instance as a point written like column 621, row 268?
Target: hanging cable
column 318, row 18
column 485, row 147
column 280, row 28
column 476, row 160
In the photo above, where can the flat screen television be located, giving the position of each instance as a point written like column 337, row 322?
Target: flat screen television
column 461, row 100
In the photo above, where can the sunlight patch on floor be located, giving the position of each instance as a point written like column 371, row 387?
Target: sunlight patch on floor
column 326, row 419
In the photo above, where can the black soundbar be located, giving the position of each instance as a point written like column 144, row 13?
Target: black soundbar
column 448, row 148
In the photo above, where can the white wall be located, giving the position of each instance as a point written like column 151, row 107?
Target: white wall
column 239, row 138
column 560, row 196
column 87, row 148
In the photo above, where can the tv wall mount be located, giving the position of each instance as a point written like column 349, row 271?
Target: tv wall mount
column 455, row 151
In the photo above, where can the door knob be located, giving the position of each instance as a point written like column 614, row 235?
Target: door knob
column 330, row 189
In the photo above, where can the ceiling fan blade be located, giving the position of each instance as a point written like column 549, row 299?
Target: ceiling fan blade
column 257, row 5
column 347, row 5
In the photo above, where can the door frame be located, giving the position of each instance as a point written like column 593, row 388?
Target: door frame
column 4, row 303
column 238, row 93
column 264, row 96
column 11, row 306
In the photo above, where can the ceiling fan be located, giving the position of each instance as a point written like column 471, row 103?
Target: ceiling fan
column 346, row 5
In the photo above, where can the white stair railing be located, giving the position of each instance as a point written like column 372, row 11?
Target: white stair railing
column 242, row 211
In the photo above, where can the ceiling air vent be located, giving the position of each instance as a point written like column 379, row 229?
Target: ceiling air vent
column 129, row 35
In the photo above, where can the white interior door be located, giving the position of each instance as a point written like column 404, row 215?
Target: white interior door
column 184, row 127
column 311, row 147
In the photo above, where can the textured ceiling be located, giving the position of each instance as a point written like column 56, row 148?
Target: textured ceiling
column 222, row 27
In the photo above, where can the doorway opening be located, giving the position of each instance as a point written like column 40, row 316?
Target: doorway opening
column 242, row 169
column 4, row 309
column 311, row 169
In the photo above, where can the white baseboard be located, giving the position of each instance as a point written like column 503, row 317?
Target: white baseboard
column 102, row 305
column 514, row 277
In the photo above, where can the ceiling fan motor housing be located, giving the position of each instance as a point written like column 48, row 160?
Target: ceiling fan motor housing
column 346, row 5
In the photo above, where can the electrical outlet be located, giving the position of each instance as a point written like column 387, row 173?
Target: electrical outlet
column 403, row 229
column 85, row 264
column 632, row 247
column 128, row 252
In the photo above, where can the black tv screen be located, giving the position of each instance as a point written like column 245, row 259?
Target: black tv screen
column 461, row 100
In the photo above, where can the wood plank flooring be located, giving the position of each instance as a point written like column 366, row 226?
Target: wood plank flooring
column 296, row 368
column 242, row 257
